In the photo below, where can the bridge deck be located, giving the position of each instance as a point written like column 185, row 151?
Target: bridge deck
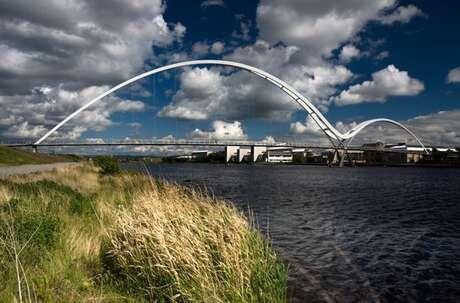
column 141, row 142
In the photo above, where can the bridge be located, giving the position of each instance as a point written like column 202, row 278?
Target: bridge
column 166, row 142
column 233, row 149
column 339, row 141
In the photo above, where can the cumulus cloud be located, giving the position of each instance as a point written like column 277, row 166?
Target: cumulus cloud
column 31, row 115
column 200, row 48
column 295, row 41
column 200, row 94
column 441, row 128
column 217, row 48
column 317, row 27
column 387, row 82
column 454, row 75
column 203, row 48
column 402, row 14
column 268, row 140
column 208, row 3
column 78, row 43
column 208, row 94
column 243, row 33
column 69, row 49
column 309, row 127
column 221, row 130
column 437, row 129
column 348, row 53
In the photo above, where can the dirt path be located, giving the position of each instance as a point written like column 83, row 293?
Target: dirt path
column 6, row 171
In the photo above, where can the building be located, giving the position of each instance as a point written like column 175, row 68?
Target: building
column 279, row 154
column 200, row 155
column 408, row 154
column 355, row 157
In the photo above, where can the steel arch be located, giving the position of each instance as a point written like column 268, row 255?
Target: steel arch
column 358, row 128
column 336, row 137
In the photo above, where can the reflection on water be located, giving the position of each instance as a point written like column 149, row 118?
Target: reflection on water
column 349, row 234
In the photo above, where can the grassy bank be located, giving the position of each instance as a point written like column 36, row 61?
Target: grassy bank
column 75, row 235
column 14, row 156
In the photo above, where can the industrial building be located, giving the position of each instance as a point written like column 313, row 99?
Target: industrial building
column 371, row 154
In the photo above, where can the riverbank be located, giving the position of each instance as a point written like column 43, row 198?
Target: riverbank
column 75, row 235
column 15, row 156
column 13, row 170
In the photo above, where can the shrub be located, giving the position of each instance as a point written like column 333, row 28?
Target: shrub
column 38, row 233
column 108, row 165
column 40, row 229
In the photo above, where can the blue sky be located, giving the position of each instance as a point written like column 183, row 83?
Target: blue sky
column 356, row 60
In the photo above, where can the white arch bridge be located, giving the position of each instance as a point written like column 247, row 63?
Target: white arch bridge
column 339, row 140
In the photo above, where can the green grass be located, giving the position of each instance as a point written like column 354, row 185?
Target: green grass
column 76, row 235
column 15, row 156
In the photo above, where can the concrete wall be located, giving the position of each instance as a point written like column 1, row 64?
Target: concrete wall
column 256, row 151
column 230, row 150
column 243, row 151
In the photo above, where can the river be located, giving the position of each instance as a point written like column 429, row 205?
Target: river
column 369, row 234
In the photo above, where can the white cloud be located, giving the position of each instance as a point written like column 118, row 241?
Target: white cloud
column 309, row 127
column 268, row 140
column 387, row 82
column 207, row 94
column 221, row 130
column 244, row 31
column 201, row 93
column 402, row 14
column 217, row 48
column 55, row 54
column 438, row 129
column 454, row 75
column 200, row 48
column 317, row 27
column 309, row 32
column 208, row 3
column 45, row 107
column 441, row 128
column 78, row 43
column 348, row 53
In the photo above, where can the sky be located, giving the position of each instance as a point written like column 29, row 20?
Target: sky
column 355, row 60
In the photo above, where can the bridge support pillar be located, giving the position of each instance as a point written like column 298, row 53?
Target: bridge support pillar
column 341, row 154
column 243, row 151
column 230, row 151
column 34, row 149
column 338, row 157
column 256, row 151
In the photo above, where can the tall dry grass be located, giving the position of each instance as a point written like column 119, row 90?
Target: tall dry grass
column 177, row 244
column 82, row 177
column 129, row 238
column 5, row 195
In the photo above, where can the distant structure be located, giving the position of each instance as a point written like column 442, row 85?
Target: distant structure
column 369, row 154
column 340, row 141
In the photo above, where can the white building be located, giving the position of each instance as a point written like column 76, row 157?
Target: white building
column 279, row 155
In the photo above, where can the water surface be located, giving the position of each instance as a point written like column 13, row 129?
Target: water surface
column 349, row 234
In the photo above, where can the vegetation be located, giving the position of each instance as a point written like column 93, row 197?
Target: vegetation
column 214, row 157
column 14, row 156
column 108, row 165
column 76, row 235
